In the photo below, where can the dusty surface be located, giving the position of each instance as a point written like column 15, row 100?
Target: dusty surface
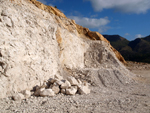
column 141, row 69
column 100, row 100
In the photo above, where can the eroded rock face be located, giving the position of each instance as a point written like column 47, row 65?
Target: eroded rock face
column 38, row 42
column 28, row 48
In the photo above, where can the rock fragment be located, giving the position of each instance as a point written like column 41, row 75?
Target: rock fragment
column 52, row 80
column 72, row 81
column 84, row 89
column 56, row 89
column 69, row 87
column 38, row 91
column 71, row 91
column 47, row 92
column 63, row 91
column 65, row 85
column 59, row 82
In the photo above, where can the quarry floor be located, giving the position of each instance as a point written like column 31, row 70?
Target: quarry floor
column 100, row 100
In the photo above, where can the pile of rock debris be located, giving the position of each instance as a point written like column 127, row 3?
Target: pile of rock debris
column 54, row 86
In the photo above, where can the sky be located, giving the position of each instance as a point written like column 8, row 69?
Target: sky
column 127, row 18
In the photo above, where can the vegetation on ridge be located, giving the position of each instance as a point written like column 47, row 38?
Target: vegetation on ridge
column 136, row 50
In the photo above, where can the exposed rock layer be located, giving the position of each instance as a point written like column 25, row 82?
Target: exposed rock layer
column 38, row 42
column 80, row 29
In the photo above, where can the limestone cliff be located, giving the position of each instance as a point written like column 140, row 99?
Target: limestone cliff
column 81, row 30
column 38, row 42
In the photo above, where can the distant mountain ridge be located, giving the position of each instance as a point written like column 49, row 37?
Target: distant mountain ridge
column 136, row 50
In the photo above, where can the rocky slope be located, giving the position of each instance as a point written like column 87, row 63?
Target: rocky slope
column 39, row 45
column 38, row 42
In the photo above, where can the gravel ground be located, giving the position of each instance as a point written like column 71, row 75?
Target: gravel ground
column 100, row 100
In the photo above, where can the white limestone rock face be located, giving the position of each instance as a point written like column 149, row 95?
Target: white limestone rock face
column 30, row 52
column 73, row 49
column 28, row 48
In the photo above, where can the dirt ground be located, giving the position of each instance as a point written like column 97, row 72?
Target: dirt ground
column 100, row 100
column 141, row 69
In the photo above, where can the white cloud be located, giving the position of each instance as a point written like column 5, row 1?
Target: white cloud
column 90, row 22
column 127, row 6
column 103, row 29
column 138, row 36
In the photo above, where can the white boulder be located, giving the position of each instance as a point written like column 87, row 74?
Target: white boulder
column 56, row 89
column 65, row 85
column 52, row 80
column 47, row 92
column 71, row 91
column 84, row 89
column 59, row 82
column 38, row 91
column 72, row 81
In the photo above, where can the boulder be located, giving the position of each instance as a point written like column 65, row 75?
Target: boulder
column 72, row 81
column 47, row 92
column 65, row 85
column 71, row 91
column 84, row 89
column 56, row 89
column 59, row 82
column 38, row 91
column 52, row 80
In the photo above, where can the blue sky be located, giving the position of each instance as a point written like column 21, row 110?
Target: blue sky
column 127, row 18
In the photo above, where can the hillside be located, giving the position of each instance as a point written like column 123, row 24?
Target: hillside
column 50, row 64
column 136, row 50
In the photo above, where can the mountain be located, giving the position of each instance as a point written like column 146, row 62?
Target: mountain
column 136, row 50
column 117, row 41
